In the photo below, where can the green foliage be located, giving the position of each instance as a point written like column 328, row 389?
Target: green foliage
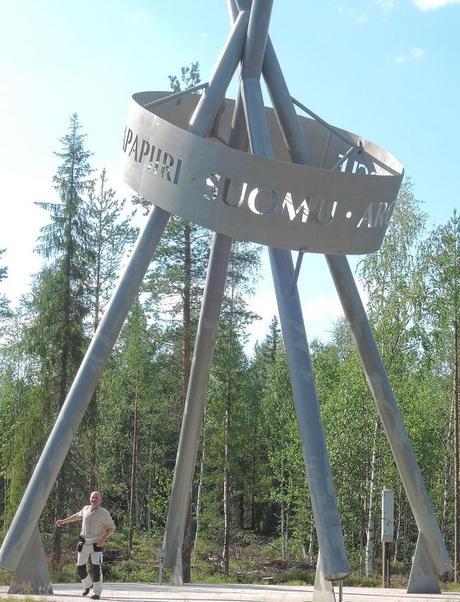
column 254, row 513
column 107, row 233
column 4, row 309
column 189, row 77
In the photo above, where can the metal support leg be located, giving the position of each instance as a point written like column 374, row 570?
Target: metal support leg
column 177, row 575
column 78, row 398
column 323, row 590
column 382, row 392
column 322, row 492
column 375, row 372
column 209, row 317
column 32, row 575
column 85, row 382
column 195, row 401
column 422, row 578
column 197, row 387
column 327, row 519
column 209, row 103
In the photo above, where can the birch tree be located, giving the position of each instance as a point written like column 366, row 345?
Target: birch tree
column 442, row 319
column 391, row 278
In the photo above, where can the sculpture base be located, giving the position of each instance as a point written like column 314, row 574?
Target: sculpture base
column 422, row 579
column 32, row 575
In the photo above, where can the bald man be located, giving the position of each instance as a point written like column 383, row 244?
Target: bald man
column 97, row 527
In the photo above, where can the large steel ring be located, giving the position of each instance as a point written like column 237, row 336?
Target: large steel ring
column 270, row 201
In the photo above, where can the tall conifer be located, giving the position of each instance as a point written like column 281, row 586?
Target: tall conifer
column 60, row 297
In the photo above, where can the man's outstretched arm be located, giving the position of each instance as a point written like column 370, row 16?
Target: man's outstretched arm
column 70, row 519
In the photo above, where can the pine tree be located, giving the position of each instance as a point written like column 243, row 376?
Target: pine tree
column 284, row 449
column 18, row 385
column 138, row 435
column 257, row 383
column 176, row 284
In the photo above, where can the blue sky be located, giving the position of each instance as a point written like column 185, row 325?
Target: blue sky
column 385, row 69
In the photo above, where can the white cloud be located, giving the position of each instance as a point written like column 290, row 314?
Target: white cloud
column 140, row 16
column 433, row 4
column 415, row 54
column 386, row 4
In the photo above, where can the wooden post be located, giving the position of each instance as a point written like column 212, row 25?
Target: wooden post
column 386, row 564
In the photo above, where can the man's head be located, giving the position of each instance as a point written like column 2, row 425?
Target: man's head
column 95, row 499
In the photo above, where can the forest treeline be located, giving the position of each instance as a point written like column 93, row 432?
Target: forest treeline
column 250, row 478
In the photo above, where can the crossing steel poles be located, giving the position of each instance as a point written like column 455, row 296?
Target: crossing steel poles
column 327, row 519
column 390, row 415
column 45, row 474
column 372, row 363
column 74, row 407
column 204, row 344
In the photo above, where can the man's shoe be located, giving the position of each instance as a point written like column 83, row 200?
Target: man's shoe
column 95, row 597
column 86, row 591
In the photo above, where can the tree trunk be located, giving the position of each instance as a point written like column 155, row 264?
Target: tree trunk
column 187, row 544
column 200, row 484
column 448, row 480
column 186, row 315
column 371, row 510
column 398, row 526
column 254, row 464
column 226, row 538
column 92, row 408
column 61, row 484
column 282, row 513
column 456, row 450
column 132, row 484
column 284, row 530
column 149, row 482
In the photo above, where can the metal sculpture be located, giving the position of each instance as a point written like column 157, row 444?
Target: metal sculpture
column 304, row 186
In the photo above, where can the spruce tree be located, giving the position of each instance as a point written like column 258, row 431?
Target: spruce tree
column 108, row 232
column 60, row 298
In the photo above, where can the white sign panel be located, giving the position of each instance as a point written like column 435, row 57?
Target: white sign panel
column 388, row 504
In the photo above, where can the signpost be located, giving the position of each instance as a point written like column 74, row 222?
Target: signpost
column 387, row 532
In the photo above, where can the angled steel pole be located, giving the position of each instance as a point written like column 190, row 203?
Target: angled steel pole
column 390, row 415
column 373, row 366
column 194, row 404
column 322, row 492
column 207, row 329
column 71, row 414
column 79, row 396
